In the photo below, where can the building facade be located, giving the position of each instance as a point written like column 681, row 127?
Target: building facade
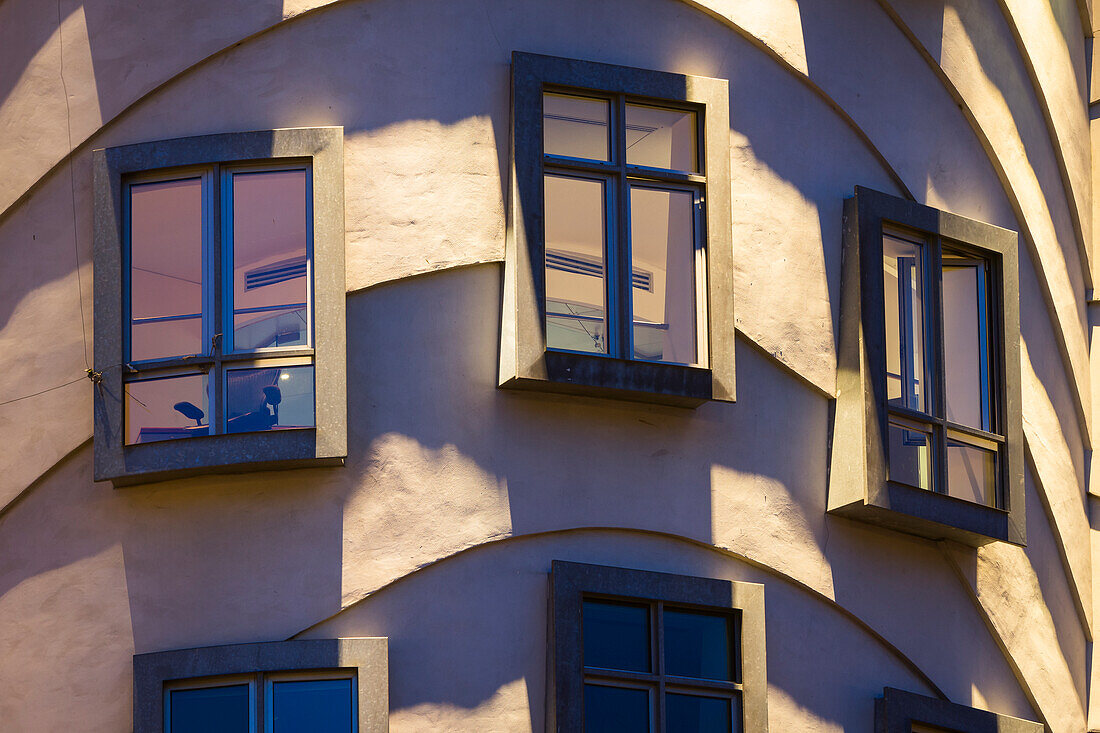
column 465, row 365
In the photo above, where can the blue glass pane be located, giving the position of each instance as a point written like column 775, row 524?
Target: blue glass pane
column 269, row 399
column 616, row 636
column 694, row 714
column 209, row 710
column 698, row 645
column 615, row 710
column 312, row 706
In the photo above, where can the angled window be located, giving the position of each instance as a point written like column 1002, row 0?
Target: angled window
column 931, row 360
column 642, row 651
column 619, row 265
column 223, row 250
column 898, row 711
column 312, row 686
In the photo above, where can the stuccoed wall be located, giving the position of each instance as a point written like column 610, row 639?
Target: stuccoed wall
column 439, row 531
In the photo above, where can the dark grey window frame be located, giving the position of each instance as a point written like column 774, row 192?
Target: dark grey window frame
column 897, row 711
column 525, row 362
column 325, row 444
column 366, row 657
column 858, row 485
column 572, row 582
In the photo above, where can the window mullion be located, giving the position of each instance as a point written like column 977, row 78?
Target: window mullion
column 934, row 308
column 623, row 314
column 660, row 724
column 219, row 238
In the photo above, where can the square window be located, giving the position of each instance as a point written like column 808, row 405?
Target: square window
column 225, row 253
column 653, row 652
column 898, row 711
column 619, row 264
column 310, row 686
column 929, row 361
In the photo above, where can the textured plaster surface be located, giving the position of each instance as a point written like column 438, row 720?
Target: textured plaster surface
column 1060, row 486
column 499, row 593
column 1029, row 617
column 1057, row 56
column 439, row 460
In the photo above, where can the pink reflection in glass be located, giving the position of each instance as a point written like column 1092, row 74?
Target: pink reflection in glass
column 270, row 262
column 662, row 259
column 166, row 409
column 165, row 269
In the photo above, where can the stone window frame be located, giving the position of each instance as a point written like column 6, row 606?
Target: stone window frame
column 858, row 486
column 897, row 711
column 525, row 362
column 571, row 583
column 365, row 657
column 326, row 443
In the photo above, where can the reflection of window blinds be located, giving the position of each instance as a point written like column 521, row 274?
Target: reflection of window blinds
column 579, row 264
column 275, row 272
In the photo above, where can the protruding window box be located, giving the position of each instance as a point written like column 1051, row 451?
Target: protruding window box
column 898, row 711
column 927, row 437
column 619, row 267
column 219, row 310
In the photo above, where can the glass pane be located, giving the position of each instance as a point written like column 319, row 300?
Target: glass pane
column 312, row 706
column 269, row 399
column 575, row 126
column 209, row 710
column 165, row 409
column 695, row 714
column 270, row 263
column 965, row 343
column 662, row 254
column 661, row 138
column 166, row 269
column 615, row 710
column 616, row 636
column 575, row 270
column 903, row 281
column 699, row 645
column 971, row 472
column 910, row 456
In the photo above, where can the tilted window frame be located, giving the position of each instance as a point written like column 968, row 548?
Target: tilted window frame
column 897, row 711
column 525, row 362
column 571, row 582
column 324, row 444
column 366, row 658
column 858, row 485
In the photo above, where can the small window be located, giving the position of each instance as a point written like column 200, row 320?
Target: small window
column 641, row 651
column 898, row 711
column 620, row 251
column 314, row 686
column 223, row 252
column 930, row 347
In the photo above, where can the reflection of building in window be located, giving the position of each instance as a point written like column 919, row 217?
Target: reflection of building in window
column 624, row 256
column 956, row 426
column 219, row 337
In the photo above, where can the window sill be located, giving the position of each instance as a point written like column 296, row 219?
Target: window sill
column 567, row 372
column 228, row 453
column 933, row 516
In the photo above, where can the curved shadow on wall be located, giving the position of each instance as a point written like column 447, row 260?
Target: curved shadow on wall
column 494, row 621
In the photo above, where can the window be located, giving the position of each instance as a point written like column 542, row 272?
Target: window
column 226, row 253
column 314, row 686
column 898, row 711
column 643, row 651
column 932, row 355
column 619, row 263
